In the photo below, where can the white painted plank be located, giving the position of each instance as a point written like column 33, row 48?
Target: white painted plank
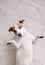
column 39, row 51
column 8, row 15
column 11, row 3
column 7, row 54
column 33, row 10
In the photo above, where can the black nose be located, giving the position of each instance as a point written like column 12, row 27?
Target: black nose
column 19, row 35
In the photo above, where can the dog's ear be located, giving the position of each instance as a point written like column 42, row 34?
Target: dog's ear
column 11, row 28
column 21, row 21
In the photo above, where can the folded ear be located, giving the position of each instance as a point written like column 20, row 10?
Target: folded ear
column 21, row 21
column 11, row 28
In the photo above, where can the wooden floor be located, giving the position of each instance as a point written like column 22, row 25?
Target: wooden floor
column 33, row 11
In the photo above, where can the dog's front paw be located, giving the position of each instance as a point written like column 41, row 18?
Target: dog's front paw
column 8, row 43
column 40, row 37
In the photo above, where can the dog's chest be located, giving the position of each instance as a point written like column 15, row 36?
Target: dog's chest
column 26, row 50
column 26, row 42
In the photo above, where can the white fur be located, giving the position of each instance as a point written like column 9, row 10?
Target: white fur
column 24, row 53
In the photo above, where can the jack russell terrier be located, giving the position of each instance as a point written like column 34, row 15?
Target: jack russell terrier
column 24, row 46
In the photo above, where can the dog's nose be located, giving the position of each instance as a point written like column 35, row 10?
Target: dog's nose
column 19, row 35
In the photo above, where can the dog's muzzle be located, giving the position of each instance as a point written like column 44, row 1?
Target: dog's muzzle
column 20, row 35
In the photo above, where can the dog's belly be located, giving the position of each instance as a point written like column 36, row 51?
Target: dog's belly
column 23, row 57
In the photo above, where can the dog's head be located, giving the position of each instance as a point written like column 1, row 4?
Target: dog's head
column 18, row 29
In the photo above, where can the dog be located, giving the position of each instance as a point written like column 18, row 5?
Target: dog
column 24, row 46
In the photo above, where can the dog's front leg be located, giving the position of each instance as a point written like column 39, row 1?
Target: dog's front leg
column 36, row 38
column 17, row 45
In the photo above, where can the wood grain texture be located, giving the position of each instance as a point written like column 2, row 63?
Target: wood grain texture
column 11, row 11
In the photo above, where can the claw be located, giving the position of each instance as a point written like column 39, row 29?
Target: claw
column 40, row 37
column 8, row 43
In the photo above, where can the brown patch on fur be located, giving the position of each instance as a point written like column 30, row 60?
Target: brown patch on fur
column 20, row 25
column 11, row 28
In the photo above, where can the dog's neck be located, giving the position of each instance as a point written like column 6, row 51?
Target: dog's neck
column 17, row 39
